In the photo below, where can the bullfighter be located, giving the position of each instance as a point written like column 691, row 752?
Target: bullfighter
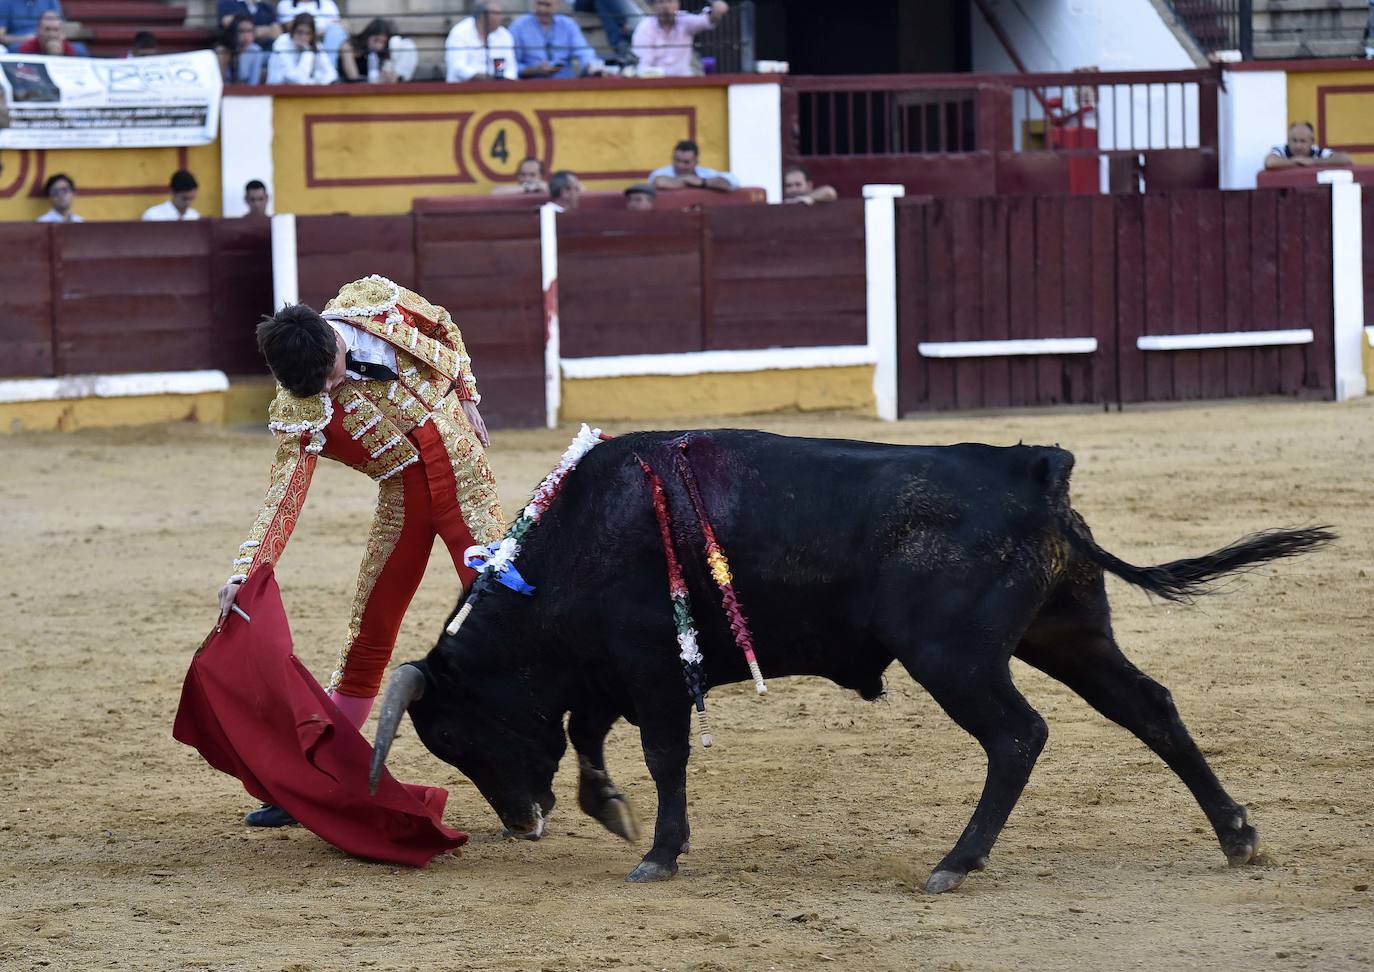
column 380, row 381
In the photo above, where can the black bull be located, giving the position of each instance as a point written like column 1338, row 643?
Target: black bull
column 846, row 557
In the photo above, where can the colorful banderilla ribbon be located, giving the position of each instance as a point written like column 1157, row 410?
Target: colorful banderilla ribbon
column 720, row 569
column 682, row 604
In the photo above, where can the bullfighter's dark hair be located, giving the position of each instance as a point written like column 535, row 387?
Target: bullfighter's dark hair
column 55, row 179
column 531, row 158
column 796, row 168
column 252, row 184
column 687, row 145
column 300, row 348
column 183, row 181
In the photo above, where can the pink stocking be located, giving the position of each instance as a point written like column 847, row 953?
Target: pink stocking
column 355, row 710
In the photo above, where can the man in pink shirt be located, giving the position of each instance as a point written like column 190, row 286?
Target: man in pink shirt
column 664, row 41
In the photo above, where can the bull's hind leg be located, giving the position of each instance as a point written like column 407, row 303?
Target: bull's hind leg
column 987, row 705
column 597, row 796
column 1087, row 660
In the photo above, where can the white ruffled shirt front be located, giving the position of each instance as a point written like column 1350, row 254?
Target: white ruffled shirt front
column 365, row 347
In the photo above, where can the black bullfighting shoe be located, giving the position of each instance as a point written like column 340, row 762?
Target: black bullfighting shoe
column 269, row 816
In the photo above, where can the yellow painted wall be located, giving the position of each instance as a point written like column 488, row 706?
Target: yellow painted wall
column 68, row 415
column 110, row 183
column 662, row 397
column 374, row 153
column 1339, row 104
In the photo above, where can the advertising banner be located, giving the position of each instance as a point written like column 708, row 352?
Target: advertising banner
column 86, row 102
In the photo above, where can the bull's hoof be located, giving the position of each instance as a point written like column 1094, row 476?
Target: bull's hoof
column 617, row 816
column 1240, row 843
column 648, row 871
column 942, row 881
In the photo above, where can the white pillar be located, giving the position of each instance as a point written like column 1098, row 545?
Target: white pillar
column 880, row 244
column 286, row 286
column 245, row 150
column 1347, row 282
column 1252, row 117
column 755, row 119
column 553, row 374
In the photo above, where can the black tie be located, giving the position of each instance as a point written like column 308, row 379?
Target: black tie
column 370, row 371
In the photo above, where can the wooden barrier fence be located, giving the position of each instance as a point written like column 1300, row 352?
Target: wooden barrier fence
column 123, row 297
column 1106, row 277
column 1114, row 270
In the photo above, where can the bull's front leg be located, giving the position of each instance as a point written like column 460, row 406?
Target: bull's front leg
column 597, row 796
column 665, row 736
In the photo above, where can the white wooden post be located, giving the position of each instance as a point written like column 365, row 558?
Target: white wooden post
column 548, row 252
column 880, row 244
column 1347, row 282
column 286, row 288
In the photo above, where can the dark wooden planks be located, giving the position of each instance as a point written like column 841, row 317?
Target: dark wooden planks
column 132, row 297
column 785, row 276
column 333, row 250
column 630, row 283
column 484, row 268
column 26, row 337
column 241, row 292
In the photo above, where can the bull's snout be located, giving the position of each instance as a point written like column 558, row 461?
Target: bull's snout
column 531, row 828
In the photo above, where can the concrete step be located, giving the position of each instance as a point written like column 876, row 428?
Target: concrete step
column 1291, row 48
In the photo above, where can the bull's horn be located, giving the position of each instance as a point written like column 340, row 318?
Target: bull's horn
column 407, row 684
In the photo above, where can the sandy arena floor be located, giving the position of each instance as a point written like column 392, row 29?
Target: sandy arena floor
column 815, row 818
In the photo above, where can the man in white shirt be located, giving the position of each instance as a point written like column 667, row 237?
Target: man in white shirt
column 480, row 48
column 1302, row 149
column 179, row 206
column 325, row 12
column 663, row 42
column 61, row 193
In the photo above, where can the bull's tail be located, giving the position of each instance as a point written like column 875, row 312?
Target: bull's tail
column 1183, row 580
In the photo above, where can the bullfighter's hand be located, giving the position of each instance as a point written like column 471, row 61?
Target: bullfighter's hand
column 227, row 595
column 475, row 420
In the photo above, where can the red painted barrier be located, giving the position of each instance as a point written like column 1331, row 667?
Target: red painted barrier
column 1115, row 269
column 122, row 297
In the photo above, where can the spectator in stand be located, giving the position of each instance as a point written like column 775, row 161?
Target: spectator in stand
column 61, row 193
column 685, row 173
column 366, row 57
column 297, row 58
column 798, row 188
column 330, row 29
column 565, row 190
column 178, row 207
column 529, row 178
column 616, row 16
column 549, row 44
column 255, row 198
column 263, row 17
column 50, row 39
column 641, row 196
column 480, row 48
column 19, row 19
column 144, row 45
column 1302, row 149
column 663, row 42
column 243, row 61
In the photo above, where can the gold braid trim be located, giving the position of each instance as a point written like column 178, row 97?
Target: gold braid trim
column 387, row 523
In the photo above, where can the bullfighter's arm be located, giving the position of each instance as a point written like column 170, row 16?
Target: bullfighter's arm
column 291, row 472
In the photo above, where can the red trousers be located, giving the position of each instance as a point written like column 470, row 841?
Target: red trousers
column 412, row 509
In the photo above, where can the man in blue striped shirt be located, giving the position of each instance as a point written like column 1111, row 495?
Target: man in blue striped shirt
column 549, row 44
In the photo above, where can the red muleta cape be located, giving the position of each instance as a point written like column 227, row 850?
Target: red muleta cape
column 254, row 712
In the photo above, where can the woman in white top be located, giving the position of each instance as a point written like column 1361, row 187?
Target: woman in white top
column 297, row 58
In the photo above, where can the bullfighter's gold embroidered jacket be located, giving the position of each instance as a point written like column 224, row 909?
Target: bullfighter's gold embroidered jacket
column 364, row 423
